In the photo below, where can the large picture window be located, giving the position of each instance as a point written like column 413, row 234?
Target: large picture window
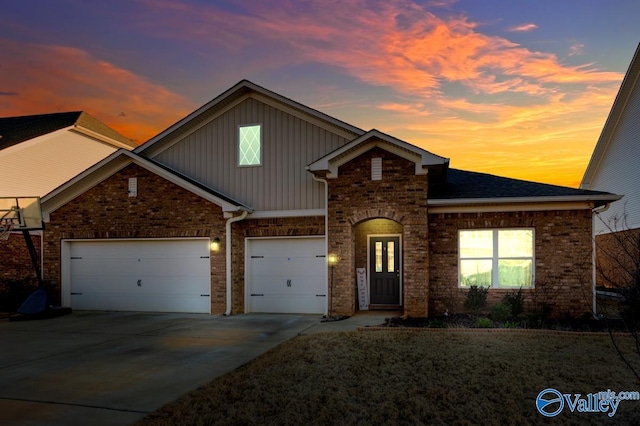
column 249, row 145
column 500, row 258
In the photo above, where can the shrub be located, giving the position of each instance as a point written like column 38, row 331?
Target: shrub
column 501, row 312
column 476, row 299
column 515, row 301
column 483, row 323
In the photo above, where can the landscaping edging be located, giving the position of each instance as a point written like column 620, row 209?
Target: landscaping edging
column 493, row 330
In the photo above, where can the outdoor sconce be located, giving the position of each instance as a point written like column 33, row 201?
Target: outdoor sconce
column 215, row 244
column 333, row 259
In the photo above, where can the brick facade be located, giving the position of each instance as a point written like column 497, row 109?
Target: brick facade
column 161, row 210
column 563, row 248
column 400, row 197
column 16, row 262
column 618, row 258
column 358, row 207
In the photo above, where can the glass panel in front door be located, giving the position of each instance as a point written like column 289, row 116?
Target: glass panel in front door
column 385, row 277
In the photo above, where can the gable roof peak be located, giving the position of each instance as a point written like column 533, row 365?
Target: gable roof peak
column 234, row 94
column 422, row 158
column 627, row 88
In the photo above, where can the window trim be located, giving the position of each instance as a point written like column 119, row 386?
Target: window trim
column 495, row 259
column 240, row 126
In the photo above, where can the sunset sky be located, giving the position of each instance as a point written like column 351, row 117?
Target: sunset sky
column 514, row 88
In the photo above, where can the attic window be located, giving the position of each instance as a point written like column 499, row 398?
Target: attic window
column 376, row 168
column 249, row 145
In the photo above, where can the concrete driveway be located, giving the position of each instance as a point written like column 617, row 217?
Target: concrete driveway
column 113, row 368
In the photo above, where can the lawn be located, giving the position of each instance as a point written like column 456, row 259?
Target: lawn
column 403, row 377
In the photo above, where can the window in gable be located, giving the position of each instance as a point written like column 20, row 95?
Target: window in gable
column 499, row 258
column 250, row 145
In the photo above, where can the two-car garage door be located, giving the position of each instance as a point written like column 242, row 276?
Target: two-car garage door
column 140, row 275
column 283, row 275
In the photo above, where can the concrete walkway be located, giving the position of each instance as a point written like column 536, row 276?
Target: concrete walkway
column 113, row 368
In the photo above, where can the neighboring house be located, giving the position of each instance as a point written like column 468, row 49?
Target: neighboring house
column 39, row 153
column 614, row 166
column 256, row 203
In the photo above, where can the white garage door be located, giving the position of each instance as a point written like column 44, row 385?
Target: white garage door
column 141, row 275
column 286, row 275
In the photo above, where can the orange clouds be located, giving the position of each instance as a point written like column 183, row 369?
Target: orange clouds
column 50, row 78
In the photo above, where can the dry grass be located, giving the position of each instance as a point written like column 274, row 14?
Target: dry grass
column 411, row 378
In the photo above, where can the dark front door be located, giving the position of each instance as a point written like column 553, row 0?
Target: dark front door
column 384, row 263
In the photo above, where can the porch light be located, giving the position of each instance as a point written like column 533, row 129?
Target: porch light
column 215, row 244
column 333, row 259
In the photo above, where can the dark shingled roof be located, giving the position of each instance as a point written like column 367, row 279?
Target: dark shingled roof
column 15, row 130
column 471, row 185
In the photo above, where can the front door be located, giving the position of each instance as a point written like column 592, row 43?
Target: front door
column 384, row 263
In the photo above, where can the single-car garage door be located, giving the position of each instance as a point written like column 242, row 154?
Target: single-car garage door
column 286, row 275
column 140, row 275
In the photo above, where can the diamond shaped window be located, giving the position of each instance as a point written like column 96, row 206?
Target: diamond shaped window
column 249, row 146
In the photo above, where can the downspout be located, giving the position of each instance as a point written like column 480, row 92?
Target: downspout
column 228, row 254
column 326, row 236
column 594, row 259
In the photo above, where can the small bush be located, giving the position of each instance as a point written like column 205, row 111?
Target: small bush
column 483, row 323
column 515, row 301
column 501, row 312
column 476, row 299
column 437, row 323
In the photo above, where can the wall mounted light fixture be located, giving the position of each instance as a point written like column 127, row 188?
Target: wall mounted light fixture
column 215, row 244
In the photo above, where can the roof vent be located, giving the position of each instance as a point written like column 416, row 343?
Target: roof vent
column 376, row 168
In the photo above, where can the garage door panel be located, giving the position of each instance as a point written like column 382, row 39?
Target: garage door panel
column 293, row 304
column 98, row 301
column 148, row 275
column 286, row 275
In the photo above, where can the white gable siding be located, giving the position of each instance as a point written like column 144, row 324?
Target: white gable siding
column 209, row 155
column 619, row 170
column 38, row 166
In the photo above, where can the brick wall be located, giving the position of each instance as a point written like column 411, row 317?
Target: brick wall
column 563, row 248
column 161, row 210
column 16, row 263
column 618, row 258
column 401, row 196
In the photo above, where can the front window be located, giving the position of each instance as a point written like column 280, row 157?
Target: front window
column 249, row 145
column 500, row 258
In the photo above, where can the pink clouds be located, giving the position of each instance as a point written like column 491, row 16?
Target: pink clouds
column 50, row 78
column 523, row 27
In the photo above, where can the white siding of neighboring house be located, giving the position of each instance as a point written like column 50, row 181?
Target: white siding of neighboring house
column 619, row 170
column 40, row 165
column 209, row 155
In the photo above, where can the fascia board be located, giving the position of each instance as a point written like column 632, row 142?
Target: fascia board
column 100, row 137
column 519, row 203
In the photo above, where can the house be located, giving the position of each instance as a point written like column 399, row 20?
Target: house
column 256, row 203
column 614, row 167
column 39, row 153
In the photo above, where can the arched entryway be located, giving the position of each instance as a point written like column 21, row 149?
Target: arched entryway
column 378, row 251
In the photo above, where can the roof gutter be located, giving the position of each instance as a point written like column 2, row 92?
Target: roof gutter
column 605, row 198
column 228, row 256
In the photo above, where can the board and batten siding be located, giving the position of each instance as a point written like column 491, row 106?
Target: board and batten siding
column 619, row 170
column 289, row 143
